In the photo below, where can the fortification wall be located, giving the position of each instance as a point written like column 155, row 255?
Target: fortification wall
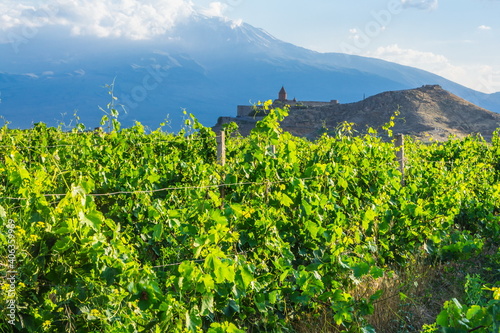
column 244, row 110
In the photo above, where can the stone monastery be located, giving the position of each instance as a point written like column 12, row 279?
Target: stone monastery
column 253, row 111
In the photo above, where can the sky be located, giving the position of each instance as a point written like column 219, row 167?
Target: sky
column 457, row 39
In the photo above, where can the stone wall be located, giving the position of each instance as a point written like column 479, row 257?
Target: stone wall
column 244, row 110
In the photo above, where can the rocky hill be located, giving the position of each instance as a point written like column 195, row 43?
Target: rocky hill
column 429, row 111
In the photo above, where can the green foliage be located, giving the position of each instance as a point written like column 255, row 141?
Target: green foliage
column 127, row 231
column 474, row 318
column 479, row 313
column 111, row 113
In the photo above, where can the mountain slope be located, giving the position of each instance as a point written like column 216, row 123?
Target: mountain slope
column 205, row 65
column 426, row 111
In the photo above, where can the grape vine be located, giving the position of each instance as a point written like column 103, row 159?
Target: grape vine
column 127, row 231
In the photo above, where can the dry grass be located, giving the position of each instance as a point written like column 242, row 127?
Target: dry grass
column 320, row 322
column 414, row 297
column 411, row 298
column 403, row 306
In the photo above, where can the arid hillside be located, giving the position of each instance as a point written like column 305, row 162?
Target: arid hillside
column 425, row 112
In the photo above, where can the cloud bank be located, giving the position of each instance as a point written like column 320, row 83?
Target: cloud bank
column 132, row 19
column 420, row 4
column 484, row 27
column 479, row 77
column 214, row 9
column 410, row 57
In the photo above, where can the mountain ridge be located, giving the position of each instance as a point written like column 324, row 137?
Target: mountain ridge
column 204, row 65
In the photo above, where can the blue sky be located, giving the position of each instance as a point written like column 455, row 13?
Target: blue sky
column 457, row 39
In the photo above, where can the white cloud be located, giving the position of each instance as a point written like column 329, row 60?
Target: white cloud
column 479, row 77
column 409, row 57
column 488, row 79
column 214, row 9
column 420, row 4
column 484, row 27
column 134, row 19
column 236, row 23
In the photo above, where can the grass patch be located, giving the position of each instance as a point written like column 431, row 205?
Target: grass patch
column 414, row 296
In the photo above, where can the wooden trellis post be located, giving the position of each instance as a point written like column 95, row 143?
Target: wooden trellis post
column 400, row 155
column 221, row 148
column 272, row 150
column 221, row 158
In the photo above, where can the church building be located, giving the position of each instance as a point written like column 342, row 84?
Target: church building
column 248, row 110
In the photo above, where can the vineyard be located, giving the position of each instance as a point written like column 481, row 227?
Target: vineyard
column 129, row 230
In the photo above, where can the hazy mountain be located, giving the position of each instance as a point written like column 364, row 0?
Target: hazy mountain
column 205, row 65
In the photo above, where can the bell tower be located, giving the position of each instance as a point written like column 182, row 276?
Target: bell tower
column 282, row 96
